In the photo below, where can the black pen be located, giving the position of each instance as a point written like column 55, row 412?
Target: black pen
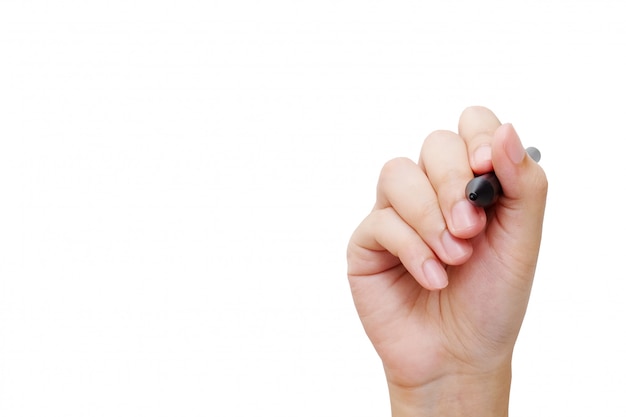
column 484, row 190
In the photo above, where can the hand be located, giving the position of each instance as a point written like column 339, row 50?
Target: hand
column 441, row 286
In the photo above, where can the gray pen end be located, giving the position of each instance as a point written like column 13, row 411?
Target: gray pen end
column 533, row 153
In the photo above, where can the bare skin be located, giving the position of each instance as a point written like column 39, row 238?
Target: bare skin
column 441, row 287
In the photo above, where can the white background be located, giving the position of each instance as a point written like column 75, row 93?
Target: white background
column 178, row 182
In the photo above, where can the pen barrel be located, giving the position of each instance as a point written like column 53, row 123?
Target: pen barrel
column 483, row 190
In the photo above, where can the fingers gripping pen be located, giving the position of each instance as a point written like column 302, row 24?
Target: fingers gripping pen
column 483, row 190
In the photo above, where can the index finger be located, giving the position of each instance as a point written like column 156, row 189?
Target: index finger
column 476, row 127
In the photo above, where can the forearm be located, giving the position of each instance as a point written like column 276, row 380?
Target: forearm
column 454, row 396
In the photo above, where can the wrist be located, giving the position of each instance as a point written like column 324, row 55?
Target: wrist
column 467, row 395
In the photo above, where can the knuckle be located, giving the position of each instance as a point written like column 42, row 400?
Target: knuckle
column 413, row 251
column 394, row 165
column 427, row 211
column 436, row 142
column 453, row 176
column 379, row 219
column 472, row 112
column 392, row 169
column 437, row 136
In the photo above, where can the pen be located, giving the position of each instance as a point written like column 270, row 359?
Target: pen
column 483, row 190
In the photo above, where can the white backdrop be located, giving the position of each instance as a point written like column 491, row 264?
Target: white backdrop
column 178, row 182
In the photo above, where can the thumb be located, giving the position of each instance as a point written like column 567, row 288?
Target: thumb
column 520, row 209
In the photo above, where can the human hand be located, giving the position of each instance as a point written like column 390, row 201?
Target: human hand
column 441, row 286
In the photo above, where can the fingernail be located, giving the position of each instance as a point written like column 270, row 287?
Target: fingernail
column 435, row 274
column 455, row 249
column 463, row 215
column 514, row 149
column 482, row 155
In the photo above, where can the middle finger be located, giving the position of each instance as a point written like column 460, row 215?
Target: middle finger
column 445, row 161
